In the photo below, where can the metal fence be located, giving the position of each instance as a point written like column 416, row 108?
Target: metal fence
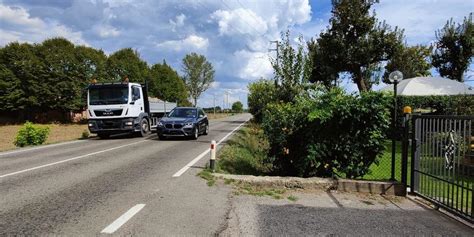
column 442, row 164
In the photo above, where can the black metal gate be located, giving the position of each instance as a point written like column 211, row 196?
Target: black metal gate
column 442, row 165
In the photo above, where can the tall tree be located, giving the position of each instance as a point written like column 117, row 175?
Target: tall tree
column 321, row 69
column 126, row 63
column 91, row 64
column 237, row 107
column 166, row 84
column 356, row 42
column 291, row 67
column 198, row 75
column 454, row 48
column 412, row 61
column 64, row 87
column 21, row 70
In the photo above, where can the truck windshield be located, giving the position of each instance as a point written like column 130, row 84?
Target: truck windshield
column 108, row 95
column 183, row 113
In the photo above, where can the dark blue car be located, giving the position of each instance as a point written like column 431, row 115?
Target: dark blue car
column 183, row 122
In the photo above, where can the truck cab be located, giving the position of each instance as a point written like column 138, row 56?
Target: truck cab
column 115, row 108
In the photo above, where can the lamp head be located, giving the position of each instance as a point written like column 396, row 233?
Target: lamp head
column 395, row 76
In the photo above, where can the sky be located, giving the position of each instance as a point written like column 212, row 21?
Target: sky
column 234, row 35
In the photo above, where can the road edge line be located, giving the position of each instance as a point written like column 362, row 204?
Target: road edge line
column 199, row 157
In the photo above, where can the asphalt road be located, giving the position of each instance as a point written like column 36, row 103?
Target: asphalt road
column 121, row 185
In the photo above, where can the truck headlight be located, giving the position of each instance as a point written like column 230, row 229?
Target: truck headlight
column 129, row 123
column 91, row 125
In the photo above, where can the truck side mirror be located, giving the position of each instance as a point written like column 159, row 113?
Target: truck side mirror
column 132, row 103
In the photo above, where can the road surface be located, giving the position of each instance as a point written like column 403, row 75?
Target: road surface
column 123, row 186
column 147, row 187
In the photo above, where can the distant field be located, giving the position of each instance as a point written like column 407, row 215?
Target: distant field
column 58, row 133
column 219, row 115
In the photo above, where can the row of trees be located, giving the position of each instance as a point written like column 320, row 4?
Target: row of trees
column 357, row 44
column 53, row 75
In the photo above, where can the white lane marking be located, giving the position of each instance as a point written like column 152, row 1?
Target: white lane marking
column 122, row 219
column 195, row 160
column 39, row 147
column 70, row 159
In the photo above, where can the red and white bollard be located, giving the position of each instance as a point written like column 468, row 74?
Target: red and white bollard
column 213, row 155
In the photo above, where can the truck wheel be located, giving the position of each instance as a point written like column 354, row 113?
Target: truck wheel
column 103, row 135
column 206, row 130
column 144, row 127
column 195, row 133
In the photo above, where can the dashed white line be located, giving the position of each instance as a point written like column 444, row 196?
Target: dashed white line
column 110, row 229
column 70, row 159
column 195, row 160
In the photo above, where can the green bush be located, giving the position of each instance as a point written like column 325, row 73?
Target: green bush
column 261, row 93
column 326, row 133
column 85, row 134
column 442, row 105
column 31, row 134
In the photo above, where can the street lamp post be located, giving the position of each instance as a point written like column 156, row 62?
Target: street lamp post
column 394, row 77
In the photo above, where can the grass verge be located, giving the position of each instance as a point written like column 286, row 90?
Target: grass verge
column 245, row 153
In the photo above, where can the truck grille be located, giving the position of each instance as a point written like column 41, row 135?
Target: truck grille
column 111, row 112
column 109, row 124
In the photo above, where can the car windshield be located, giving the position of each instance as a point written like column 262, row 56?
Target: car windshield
column 108, row 95
column 183, row 113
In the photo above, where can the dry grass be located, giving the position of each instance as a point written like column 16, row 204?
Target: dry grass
column 58, row 133
column 218, row 115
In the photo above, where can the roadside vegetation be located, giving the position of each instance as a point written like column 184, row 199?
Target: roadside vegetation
column 318, row 129
column 245, row 153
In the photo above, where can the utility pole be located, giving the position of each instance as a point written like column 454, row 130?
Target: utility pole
column 227, row 98
column 214, row 105
column 277, row 43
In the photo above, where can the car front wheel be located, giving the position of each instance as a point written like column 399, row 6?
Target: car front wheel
column 195, row 133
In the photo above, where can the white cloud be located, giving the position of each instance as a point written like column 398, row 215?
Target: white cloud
column 254, row 65
column 422, row 18
column 239, row 21
column 106, row 31
column 178, row 22
column 18, row 25
column 192, row 42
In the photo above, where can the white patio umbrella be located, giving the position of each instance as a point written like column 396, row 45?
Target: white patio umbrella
column 421, row 86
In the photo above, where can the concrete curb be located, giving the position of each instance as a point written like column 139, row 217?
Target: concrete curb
column 344, row 185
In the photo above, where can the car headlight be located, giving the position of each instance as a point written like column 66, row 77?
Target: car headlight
column 188, row 124
column 159, row 124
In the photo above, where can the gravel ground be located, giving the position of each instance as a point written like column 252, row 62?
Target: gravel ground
column 319, row 213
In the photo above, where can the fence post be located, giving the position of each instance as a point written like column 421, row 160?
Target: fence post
column 414, row 147
column 406, row 132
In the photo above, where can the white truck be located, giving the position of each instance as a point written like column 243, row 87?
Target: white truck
column 115, row 108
